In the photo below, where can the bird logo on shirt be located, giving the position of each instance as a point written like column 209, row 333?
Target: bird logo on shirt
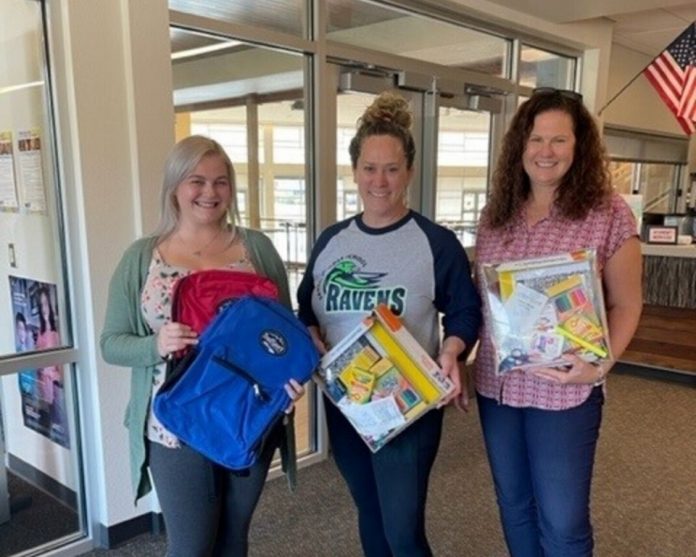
column 345, row 274
column 346, row 288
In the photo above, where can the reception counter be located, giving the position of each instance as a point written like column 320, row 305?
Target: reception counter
column 666, row 335
column 669, row 275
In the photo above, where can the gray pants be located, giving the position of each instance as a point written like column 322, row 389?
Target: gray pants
column 207, row 509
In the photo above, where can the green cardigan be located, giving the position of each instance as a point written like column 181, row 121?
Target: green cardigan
column 127, row 340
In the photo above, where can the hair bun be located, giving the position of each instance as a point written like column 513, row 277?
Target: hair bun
column 388, row 107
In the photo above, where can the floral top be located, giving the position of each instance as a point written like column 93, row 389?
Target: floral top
column 156, row 302
column 605, row 229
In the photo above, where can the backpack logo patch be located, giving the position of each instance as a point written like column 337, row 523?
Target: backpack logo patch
column 273, row 342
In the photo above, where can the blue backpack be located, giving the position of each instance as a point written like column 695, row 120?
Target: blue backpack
column 228, row 392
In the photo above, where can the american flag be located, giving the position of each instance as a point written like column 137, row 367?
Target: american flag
column 673, row 74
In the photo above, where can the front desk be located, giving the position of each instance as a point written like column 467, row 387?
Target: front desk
column 666, row 335
column 669, row 276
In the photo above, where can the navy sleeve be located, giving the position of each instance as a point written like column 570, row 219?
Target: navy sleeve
column 304, row 291
column 456, row 296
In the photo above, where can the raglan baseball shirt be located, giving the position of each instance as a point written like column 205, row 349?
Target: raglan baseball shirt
column 416, row 267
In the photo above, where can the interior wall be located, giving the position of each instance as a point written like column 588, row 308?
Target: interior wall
column 116, row 120
column 639, row 107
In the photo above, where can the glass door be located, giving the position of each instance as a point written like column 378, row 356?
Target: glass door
column 251, row 100
column 452, row 149
column 349, row 106
column 463, row 155
column 355, row 93
column 41, row 486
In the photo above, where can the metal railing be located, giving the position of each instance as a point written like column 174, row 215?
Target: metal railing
column 289, row 236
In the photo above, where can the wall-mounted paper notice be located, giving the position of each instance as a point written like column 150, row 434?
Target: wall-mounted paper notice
column 8, row 185
column 31, row 181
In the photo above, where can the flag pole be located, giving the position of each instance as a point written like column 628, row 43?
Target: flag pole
column 623, row 89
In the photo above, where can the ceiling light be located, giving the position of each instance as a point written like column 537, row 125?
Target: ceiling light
column 204, row 49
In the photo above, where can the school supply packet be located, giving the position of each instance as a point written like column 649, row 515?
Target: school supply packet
column 381, row 379
column 543, row 308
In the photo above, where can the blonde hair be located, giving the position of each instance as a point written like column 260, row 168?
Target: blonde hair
column 389, row 114
column 181, row 162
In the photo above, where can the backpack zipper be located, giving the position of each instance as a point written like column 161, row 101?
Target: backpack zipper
column 256, row 387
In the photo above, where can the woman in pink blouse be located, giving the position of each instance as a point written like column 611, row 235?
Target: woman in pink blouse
column 551, row 193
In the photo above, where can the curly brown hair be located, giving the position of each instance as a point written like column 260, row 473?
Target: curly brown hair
column 389, row 114
column 585, row 186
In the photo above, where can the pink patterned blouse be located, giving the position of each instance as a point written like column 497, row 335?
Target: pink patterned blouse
column 605, row 229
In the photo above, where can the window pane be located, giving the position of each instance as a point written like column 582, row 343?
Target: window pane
column 390, row 30
column 622, row 176
column 349, row 107
column 288, row 16
column 32, row 285
column 288, row 198
column 462, row 170
column 228, row 77
column 540, row 68
column 658, row 184
column 40, row 472
column 251, row 88
column 344, row 135
column 288, row 145
column 460, row 148
column 233, row 137
column 41, row 490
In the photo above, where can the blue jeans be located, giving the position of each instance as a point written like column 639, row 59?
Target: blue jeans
column 542, row 464
column 389, row 487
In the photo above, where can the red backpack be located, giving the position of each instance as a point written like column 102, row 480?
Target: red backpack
column 198, row 297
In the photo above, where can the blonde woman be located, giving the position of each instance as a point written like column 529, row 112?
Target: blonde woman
column 207, row 509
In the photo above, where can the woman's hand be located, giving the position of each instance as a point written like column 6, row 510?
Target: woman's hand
column 461, row 401
column 452, row 347
column 295, row 392
column 580, row 372
column 173, row 337
column 450, row 367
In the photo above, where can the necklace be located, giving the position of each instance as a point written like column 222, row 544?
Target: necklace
column 201, row 250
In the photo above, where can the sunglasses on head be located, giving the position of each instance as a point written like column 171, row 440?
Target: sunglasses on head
column 567, row 93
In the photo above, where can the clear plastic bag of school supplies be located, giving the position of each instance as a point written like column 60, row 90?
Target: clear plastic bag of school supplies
column 541, row 309
column 381, row 379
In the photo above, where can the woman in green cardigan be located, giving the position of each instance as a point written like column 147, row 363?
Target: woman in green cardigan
column 209, row 512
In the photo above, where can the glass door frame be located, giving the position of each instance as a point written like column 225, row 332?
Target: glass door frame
column 67, row 356
column 445, row 96
column 324, row 61
column 426, row 96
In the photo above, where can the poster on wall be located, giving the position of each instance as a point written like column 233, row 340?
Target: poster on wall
column 8, row 184
column 33, row 195
column 35, row 318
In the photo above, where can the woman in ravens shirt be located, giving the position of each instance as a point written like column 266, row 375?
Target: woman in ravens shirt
column 390, row 254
